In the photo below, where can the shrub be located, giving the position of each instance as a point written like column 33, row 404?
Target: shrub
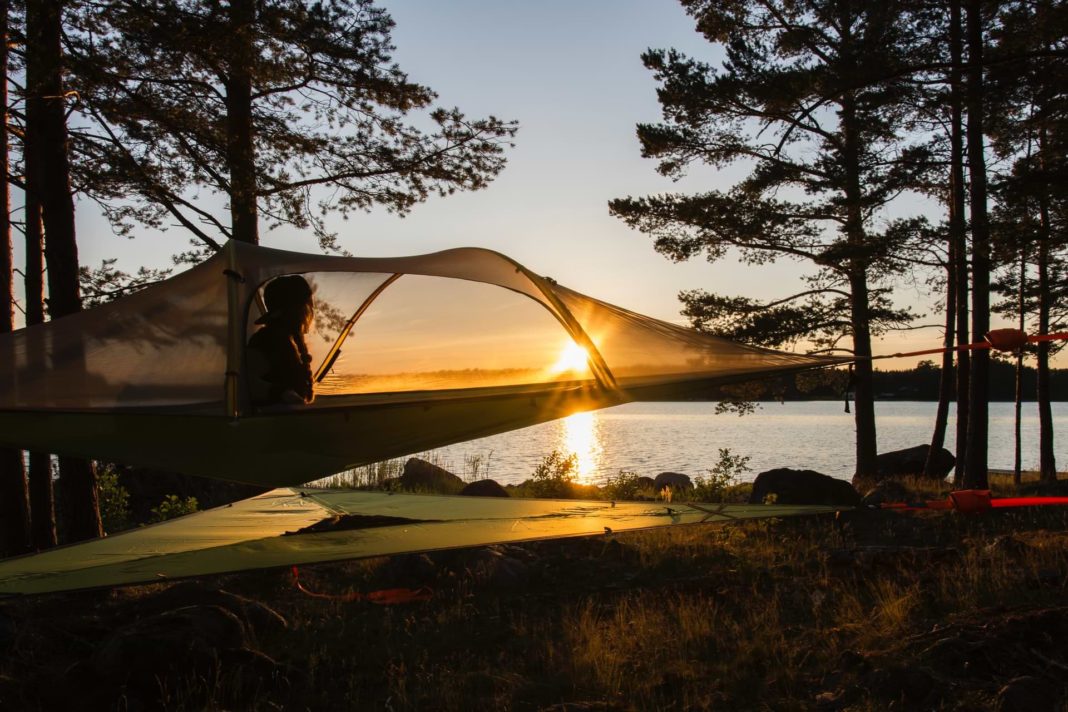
column 722, row 478
column 554, row 475
column 173, row 506
column 626, row 485
column 114, row 501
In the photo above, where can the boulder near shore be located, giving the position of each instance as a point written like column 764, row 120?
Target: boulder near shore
column 802, row 487
column 908, row 462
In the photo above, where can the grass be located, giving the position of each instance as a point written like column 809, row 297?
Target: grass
column 869, row 611
column 474, row 467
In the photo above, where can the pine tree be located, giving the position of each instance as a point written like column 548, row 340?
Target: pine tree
column 811, row 95
column 290, row 109
column 976, row 475
column 48, row 180
column 1028, row 123
column 14, row 496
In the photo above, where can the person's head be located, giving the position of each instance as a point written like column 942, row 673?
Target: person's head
column 289, row 302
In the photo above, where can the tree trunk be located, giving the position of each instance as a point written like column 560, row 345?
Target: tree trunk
column 945, row 377
column 14, row 504
column 976, row 475
column 860, row 312
column 14, row 498
column 1017, row 461
column 1047, row 465
column 239, row 144
column 42, row 495
column 49, row 176
column 958, row 233
column 863, row 385
column 42, row 502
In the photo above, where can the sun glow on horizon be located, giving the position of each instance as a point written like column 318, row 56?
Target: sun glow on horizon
column 572, row 358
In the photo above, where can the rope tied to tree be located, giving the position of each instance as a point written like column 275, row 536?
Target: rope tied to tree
column 997, row 339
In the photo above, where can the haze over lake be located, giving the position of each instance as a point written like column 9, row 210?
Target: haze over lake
column 649, row 438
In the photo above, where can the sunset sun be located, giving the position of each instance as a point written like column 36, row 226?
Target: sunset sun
column 572, row 358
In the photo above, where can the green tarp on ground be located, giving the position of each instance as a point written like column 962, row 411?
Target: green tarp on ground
column 252, row 534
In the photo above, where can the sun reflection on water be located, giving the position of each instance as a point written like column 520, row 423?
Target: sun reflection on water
column 580, row 437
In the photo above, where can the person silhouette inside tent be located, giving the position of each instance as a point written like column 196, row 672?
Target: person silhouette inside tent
column 277, row 359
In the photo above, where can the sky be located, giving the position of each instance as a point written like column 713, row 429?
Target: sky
column 570, row 72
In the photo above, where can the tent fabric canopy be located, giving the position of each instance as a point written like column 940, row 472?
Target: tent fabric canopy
column 413, row 353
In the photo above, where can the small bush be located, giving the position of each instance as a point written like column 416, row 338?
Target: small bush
column 114, row 501
column 554, row 475
column 173, row 506
column 626, row 486
column 721, row 483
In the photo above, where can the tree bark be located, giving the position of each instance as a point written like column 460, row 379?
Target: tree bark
column 14, row 497
column 14, row 504
column 946, row 376
column 1047, row 465
column 239, row 132
column 49, row 176
column 958, row 234
column 860, row 312
column 42, row 494
column 863, row 384
column 976, row 475
column 1017, row 460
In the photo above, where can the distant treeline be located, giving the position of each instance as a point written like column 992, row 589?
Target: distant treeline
column 920, row 384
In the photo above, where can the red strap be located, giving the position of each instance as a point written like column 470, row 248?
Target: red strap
column 384, row 597
column 971, row 501
column 394, row 596
column 1028, row 501
column 999, row 339
column 1006, row 339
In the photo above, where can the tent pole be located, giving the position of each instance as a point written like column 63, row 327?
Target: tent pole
column 598, row 366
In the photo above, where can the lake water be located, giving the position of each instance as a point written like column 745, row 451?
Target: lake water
column 649, row 438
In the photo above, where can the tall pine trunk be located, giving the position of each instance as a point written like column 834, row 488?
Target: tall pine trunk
column 958, row 233
column 1047, row 465
column 42, row 494
column 863, row 384
column 860, row 311
column 14, row 497
column 239, row 144
column 976, row 475
column 1017, row 459
column 945, row 376
column 49, row 178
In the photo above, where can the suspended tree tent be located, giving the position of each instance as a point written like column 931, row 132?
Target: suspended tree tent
column 410, row 353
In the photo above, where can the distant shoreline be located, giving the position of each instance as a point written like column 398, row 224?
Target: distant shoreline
column 877, row 400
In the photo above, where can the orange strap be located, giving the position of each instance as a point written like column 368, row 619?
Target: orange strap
column 384, row 597
column 971, row 501
column 997, row 339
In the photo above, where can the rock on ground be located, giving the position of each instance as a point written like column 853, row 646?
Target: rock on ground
column 908, row 463
column 802, row 487
column 484, row 488
column 423, row 476
column 674, row 480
